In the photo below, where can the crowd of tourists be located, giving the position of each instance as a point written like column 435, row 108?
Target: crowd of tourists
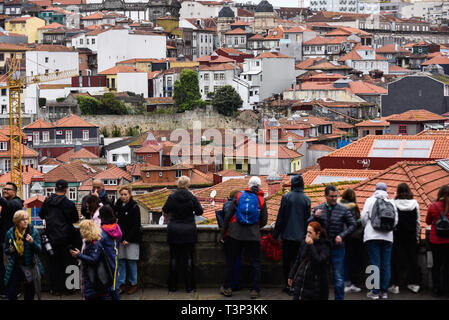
column 330, row 244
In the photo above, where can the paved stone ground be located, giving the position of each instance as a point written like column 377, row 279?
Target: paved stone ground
column 266, row 294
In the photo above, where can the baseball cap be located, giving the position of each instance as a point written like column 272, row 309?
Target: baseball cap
column 61, row 184
column 381, row 186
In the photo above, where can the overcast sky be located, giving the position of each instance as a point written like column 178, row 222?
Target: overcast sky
column 278, row 3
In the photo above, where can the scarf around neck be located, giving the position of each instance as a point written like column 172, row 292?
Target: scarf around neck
column 18, row 238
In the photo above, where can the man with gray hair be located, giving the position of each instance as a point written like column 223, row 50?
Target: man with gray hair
column 241, row 231
column 378, row 235
column 99, row 191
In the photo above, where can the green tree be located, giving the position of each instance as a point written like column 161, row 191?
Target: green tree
column 226, row 100
column 132, row 131
column 88, row 105
column 116, row 131
column 109, row 104
column 186, row 92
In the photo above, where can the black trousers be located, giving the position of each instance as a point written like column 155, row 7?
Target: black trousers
column 181, row 261
column 354, row 261
column 57, row 265
column 289, row 254
column 440, row 269
column 16, row 279
column 405, row 257
column 233, row 252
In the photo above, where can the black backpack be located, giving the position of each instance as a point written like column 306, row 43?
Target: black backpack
column 442, row 224
column 383, row 215
column 101, row 275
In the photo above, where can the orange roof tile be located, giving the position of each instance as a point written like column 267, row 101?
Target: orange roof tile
column 307, row 63
column 416, row 116
column 424, row 179
column 267, row 55
column 437, row 60
column 352, row 55
column 120, row 68
column 217, row 67
column 73, row 121
column 32, row 199
column 327, row 66
column 378, row 122
column 230, row 173
column 27, row 174
column 390, row 48
column 75, row 171
column 39, row 124
column 70, row 155
column 361, row 87
column 53, row 25
column 320, row 147
column 149, row 148
column 12, row 47
column 396, row 69
column 113, row 172
column 325, row 40
column 311, row 175
column 236, row 31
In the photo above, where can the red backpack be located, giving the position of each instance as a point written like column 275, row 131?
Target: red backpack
column 271, row 247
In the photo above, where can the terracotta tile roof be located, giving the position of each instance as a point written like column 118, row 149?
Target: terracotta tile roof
column 134, row 170
column 261, row 151
column 197, row 179
column 352, row 55
column 72, row 121
column 257, row 37
column 26, row 152
column 145, row 60
column 296, row 30
column 363, row 147
column 435, row 54
column 433, row 133
column 19, row 19
column 93, row 16
column 70, row 155
column 219, row 59
column 152, row 75
column 230, row 173
column 420, row 115
column 153, row 201
column 49, row 162
column 307, row 63
column 26, row 175
column 120, row 68
column 320, row 147
column 437, row 60
column 325, row 40
column 152, row 167
column 340, row 174
column 75, row 171
column 267, row 55
column 424, row 179
column 378, row 122
column 391, row 48
column 39, row 124
column 53, row 25
column 149, row 148
column 244, row 13
column 396, row 69
column 53, row 48
column 327, row 66
column 114, row 173
column 12, row 47
column 346, row 31
column 362, row 87
column 342, row 125
column 236, row 31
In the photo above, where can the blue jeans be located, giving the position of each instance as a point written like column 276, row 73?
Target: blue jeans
column 379, row 252
column 338, row 269
column 125, row 265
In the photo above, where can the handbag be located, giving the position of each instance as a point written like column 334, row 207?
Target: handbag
column 271, row 247
column 442, row 224
column 101, row 275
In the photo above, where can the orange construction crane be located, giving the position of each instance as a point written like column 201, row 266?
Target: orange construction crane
column 15, row 83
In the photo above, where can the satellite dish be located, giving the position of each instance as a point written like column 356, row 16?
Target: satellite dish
column 161, row 220
column 213, row 193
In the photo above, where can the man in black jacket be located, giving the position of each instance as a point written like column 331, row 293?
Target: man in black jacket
column 291, row 224
column 244, row 237
column 10, row 203
column 333, row 217
column 60, row 214
column 99, row 191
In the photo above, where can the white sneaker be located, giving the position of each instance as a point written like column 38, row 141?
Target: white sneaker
column 413, row 287
column 384, row 295
column 372, row 296
column 352, row 288
column 394, row 289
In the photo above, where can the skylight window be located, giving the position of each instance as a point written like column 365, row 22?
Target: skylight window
column 401, row 148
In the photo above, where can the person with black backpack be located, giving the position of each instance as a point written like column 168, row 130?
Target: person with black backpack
column 60, row 214
column 90, row 257
column 406, row 238
column 437, row 218
column 379, row 217
column 245, row 219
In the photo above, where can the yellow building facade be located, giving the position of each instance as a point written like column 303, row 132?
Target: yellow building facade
column 27, row 26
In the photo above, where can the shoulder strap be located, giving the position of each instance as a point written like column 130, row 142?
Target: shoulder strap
column 438, row 210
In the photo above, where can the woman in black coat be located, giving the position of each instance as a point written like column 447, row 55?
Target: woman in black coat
column 181, row 208
column 309, row 274
column 128, row 214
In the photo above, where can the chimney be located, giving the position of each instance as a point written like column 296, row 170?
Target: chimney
column 274, row 181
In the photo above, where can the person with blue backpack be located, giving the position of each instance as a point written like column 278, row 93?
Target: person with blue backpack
column 244, row 219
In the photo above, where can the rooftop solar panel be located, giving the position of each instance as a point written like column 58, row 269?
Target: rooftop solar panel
column 393, row 144
column 422, row 144
column 384, row 153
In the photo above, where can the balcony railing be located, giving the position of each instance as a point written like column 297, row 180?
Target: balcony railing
column 65, row 142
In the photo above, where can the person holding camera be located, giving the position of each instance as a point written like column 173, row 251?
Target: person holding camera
column 60, row 214
column 23, row 244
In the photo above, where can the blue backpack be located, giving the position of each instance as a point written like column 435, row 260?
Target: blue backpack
column 247, row 209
